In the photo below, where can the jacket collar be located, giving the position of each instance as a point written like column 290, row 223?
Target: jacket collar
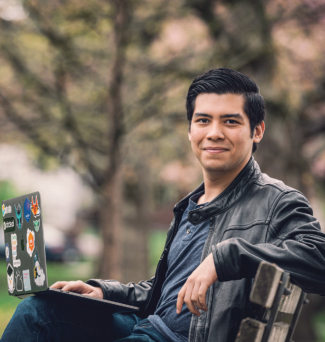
column 226, row 199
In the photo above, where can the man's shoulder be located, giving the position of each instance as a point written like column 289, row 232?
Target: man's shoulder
column 271, row 191
column 267, row 183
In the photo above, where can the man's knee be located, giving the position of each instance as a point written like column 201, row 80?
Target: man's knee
column 25, row 320
column 32, row 310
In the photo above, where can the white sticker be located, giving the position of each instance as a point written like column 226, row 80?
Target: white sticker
column 14, row 245
column 16, row 262
column 26, row 280
column 6, row 210
column 39, row 275
column 10, row 278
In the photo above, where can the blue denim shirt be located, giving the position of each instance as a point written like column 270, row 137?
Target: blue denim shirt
column 183, row 258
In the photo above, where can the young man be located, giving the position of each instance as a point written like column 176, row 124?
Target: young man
column 220, row 233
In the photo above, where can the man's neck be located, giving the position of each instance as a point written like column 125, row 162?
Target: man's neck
column 216, row 183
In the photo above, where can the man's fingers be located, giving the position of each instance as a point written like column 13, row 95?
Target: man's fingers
column 202, row 296
column 180, row 299
column 188, row 300
column 75, row 286
column 95, row 292
column 59, row 284
column 195, row 295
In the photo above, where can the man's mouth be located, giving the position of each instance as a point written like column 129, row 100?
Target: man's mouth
column 212, row 149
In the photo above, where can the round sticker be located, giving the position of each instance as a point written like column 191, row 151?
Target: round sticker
column 7, row 252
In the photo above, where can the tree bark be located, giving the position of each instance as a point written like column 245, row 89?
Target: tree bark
column 110, row 216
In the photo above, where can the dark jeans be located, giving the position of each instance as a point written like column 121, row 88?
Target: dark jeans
column 40, row 319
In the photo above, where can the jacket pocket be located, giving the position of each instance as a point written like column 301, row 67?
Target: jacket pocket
column 253, row 233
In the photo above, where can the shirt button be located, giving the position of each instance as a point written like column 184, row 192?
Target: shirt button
column 188, row 231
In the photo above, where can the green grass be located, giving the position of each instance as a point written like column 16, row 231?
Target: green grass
column 56, row 272
column 319, row 324
column 157, row 241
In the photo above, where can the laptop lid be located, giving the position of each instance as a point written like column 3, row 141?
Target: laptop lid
column 24, row 244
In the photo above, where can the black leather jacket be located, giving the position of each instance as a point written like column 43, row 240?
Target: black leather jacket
column 256, row 218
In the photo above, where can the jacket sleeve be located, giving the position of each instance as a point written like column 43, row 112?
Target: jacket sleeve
column 131, row 293
column 297, row 245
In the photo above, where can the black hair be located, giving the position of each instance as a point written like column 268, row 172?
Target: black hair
column 227, row 81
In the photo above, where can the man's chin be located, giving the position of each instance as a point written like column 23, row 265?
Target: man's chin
column 216, row 167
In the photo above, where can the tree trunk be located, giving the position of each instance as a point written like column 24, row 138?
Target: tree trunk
column 111, row 227
column 135, row 259
column 143, row 210
column 110, row 217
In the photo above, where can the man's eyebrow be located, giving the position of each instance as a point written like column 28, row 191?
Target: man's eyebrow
column 224, row 116
column 203, row 114
column 234, row 115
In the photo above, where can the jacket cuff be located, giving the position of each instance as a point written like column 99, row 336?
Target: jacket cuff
column 99, row 283
column 225, row 272
column 218, row 263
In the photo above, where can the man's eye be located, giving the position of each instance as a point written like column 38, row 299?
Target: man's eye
column 203, row 120
column 231, row 121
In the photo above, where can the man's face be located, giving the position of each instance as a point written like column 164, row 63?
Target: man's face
column 220, row 133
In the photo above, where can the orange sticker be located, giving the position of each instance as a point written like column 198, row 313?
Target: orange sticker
column 36, row 210
column 30, row 242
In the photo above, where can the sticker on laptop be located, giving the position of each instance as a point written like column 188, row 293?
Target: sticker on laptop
column 36, row 210
column 30, row 242
column 6, row 210
column 27, row 209
column 10, row 278
column 19, row 215
column 7, row 252
column 19, row 281
column 39, row 276
column 9, row 224
column 14, row 245
column 26, row 279
column 37, row 224
column 16, row 262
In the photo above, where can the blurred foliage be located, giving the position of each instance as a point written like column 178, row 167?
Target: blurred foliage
column 7, row 191
column 57, row 66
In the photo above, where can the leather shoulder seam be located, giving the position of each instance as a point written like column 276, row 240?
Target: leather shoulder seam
column 274, row 185
column 276, row 201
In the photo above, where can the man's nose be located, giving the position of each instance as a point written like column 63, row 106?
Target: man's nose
column 215, row 132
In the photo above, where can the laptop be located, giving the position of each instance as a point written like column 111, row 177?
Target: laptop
column 26, row 258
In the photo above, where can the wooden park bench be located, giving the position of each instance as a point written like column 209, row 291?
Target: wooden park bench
column 281, row 302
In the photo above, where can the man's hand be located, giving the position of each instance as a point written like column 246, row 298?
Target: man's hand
column 79, row 287
column 194, row 290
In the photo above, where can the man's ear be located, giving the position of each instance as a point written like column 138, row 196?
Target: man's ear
column 189, row 133
column 259, row 132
